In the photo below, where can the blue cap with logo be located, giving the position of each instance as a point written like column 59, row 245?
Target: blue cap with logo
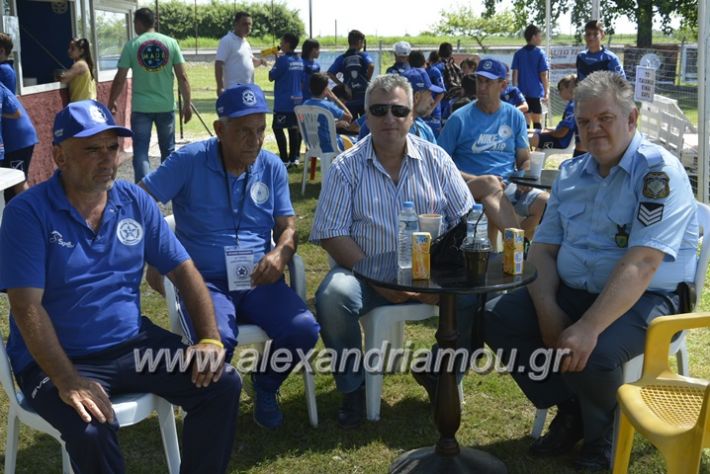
column 241, row 100
column 83, row 119
column 492, row 69
column 420, row 81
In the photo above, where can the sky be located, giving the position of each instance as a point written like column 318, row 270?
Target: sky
column 385, row 17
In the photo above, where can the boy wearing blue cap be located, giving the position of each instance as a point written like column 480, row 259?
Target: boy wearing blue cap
column 229, row 197
column 73, row 250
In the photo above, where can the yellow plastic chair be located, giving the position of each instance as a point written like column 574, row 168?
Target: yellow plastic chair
column 669, row 410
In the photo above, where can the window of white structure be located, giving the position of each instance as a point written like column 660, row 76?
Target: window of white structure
column 113, row 22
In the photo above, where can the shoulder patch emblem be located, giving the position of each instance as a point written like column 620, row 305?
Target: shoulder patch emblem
column 650, row 213
column 655, row 185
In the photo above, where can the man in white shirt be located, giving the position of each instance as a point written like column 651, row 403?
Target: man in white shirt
column 234, row 62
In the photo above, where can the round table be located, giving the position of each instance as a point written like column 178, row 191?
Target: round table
column 545, row 181
column 446, row 455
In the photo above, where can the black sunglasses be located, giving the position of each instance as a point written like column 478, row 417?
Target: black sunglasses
column 380, row 110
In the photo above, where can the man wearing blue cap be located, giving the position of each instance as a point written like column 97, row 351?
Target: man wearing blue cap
column 73, row 250
column 229, row 197
column 488, row 141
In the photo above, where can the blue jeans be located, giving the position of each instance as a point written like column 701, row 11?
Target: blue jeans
column 141, row 125
column 343, row 298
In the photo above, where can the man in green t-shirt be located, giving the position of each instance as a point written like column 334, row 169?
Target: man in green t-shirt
column 152, row 57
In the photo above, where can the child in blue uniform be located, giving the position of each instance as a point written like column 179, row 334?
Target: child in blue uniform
column 324, row 98
column 530, row 74
column 560, row 136
column 287, row 75
column 309, row 53
column 596, row 57
column 355, row 68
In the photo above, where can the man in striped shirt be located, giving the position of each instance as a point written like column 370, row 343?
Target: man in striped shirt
column 357, row 216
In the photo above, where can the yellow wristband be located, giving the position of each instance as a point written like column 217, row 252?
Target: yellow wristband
column 214, row 342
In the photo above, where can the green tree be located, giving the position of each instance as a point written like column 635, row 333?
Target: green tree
column 643, row 11
column 463, row 22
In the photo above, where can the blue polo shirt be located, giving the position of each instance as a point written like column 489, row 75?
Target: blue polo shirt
column 310, row 67
column 645, row 201
column 194, row 179
column 287, row 75
column 323, row 134
column 602, row 60
column 513, row 96
column 8, row 105
column 530, row 61
column 91, row 281
column 18, row 133
column 8, row 76
column 483, row 143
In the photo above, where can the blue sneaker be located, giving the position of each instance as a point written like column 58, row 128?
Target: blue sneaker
column 267, row 412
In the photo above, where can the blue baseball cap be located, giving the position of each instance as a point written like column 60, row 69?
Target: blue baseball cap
column 241, row 100
column 420, row 81
column 492, row 69
column 85, row 118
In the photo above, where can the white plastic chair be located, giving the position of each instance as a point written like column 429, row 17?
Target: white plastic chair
column 386, row 323
column 633, row 368
column 250, row 334
column 130, row 409
column 309, row 124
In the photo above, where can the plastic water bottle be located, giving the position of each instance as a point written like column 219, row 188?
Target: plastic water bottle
column 477, row 228
column 408, row 223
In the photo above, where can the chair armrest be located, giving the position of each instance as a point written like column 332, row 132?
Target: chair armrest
column 659, row 335
column 297, row 276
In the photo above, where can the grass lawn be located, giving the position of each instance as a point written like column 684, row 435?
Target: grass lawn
column 496, row 416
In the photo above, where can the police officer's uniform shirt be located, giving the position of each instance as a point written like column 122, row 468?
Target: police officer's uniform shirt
column 287, row 75
column 91, row 280
column 645, row 201
column 483, row 143
column 194, row 179
column 602, row 60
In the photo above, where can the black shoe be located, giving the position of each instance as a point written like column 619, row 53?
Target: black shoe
column 427, row 381
column 595, row 457
column 565, row 431
column 352, row 411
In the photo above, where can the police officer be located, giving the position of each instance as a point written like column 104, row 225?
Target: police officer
column 618, row 236
column 355, row 67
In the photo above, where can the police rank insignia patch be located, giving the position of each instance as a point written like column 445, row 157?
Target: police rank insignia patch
column 650, row 213
column 655, row 185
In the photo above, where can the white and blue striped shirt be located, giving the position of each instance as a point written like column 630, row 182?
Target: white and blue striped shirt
column 360, row 200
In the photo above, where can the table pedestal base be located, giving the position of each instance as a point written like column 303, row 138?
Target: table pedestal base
column 425, row 460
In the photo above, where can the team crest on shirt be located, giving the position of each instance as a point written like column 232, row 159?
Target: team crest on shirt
column 655, row 185
column 153, row 55
column 129, row 232
column 259, row 192
column 249, row 98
